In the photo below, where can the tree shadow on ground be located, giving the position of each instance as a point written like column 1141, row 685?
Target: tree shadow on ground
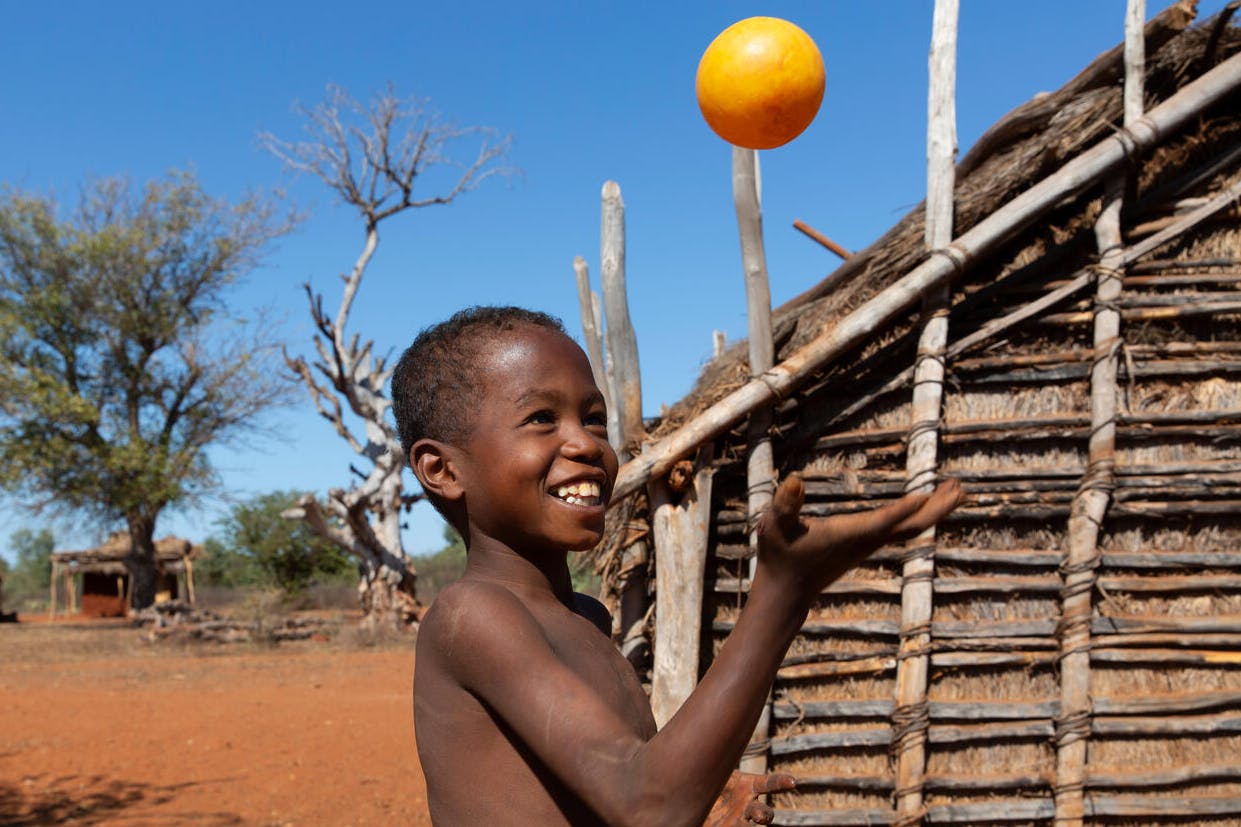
column 89, row 800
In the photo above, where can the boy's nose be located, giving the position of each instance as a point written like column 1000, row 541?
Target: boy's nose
column 581, row 444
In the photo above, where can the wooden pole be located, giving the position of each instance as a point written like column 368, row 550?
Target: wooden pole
column 1083, row 171
column 189, row 580
column 910, row 717
column 626, row 396
column 747, row 198
column 622, row 342
column 1090, row 505
column 681, row 530
column 760, row 470
column 592, row 324
column 52, row 588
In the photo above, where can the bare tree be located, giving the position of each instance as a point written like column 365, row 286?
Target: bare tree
column 371, row 156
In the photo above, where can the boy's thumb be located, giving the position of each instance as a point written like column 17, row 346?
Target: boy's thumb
column 787, row 502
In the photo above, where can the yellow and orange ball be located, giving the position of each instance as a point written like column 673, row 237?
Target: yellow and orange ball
column 760, row 82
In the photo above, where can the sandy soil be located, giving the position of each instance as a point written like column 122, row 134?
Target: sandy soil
column 98, row 726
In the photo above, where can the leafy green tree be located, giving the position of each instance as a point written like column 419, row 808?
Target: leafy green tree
column 288, row 553
column 226, row 567
column 32, row 571
column 120, row 360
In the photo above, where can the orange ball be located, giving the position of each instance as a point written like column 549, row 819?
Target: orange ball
column 760, row 82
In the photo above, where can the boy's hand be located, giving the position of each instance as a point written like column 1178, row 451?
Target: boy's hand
column 811, row 553
column 740, row 802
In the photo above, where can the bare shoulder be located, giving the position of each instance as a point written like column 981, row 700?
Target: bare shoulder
column 594, row 611
column 471, row 613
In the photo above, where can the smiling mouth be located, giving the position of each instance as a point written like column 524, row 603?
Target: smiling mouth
column 578, row 493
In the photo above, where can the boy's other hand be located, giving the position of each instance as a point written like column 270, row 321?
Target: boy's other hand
column 740, row 802
column 813, row 552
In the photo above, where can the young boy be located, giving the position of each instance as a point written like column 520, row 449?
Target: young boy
column 525, row 712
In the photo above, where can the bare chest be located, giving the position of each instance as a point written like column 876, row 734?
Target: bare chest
column 596, row 660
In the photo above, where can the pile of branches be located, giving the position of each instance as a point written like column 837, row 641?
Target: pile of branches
column 176, row 620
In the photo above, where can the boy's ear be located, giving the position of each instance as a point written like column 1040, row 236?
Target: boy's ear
column 436, row 469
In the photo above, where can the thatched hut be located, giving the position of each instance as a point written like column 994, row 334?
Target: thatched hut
column 1068, row 644
column 105, row 578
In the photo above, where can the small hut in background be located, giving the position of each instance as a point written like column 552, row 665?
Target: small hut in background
column 1067, row 646
column 105, row 582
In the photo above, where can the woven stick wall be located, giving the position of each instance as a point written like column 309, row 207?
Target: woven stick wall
column 1159, row 642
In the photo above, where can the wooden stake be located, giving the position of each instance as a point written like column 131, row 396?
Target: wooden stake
column 910, row 717
column 681, row 531
column 760, row 469
column 592, row 332
column 1091, row 503
column 626, row 396
column 622, row 342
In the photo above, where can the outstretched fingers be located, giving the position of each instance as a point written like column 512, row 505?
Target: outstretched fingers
column 894, row 521
column 932, row 508
column 814, row 551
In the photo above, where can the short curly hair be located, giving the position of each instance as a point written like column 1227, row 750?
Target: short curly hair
column 433, row 384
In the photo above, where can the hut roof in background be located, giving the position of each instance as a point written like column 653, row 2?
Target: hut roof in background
column 117, row 547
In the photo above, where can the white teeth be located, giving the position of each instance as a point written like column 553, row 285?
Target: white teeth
column 579, row 493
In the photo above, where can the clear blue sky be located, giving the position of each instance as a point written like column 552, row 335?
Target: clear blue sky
column 590, row 91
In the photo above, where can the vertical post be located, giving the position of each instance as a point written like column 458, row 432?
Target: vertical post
column 52, row 587
column 760, row 467
column 622, row 342
column 1095, row 492
column 681, row 530
column 592, row 324
column 189, row 579
column 626, row 396
column 910, row 717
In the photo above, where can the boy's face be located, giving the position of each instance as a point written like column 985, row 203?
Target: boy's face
column 536, row 468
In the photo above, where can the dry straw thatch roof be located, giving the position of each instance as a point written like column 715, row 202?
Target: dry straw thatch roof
column 170, row 555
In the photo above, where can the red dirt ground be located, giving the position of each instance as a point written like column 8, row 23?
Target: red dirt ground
column 98, row 726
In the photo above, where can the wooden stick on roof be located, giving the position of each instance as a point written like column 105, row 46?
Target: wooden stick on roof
column 814, row 234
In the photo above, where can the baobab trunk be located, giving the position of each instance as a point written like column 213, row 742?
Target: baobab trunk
column 140, row 562
column 387, row 589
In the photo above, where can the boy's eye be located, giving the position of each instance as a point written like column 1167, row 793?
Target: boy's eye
column 596, row 418
column 541, row 418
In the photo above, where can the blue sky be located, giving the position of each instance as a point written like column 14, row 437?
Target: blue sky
column 589, row 91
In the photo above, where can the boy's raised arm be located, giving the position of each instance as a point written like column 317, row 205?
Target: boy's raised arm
column 500, row 654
